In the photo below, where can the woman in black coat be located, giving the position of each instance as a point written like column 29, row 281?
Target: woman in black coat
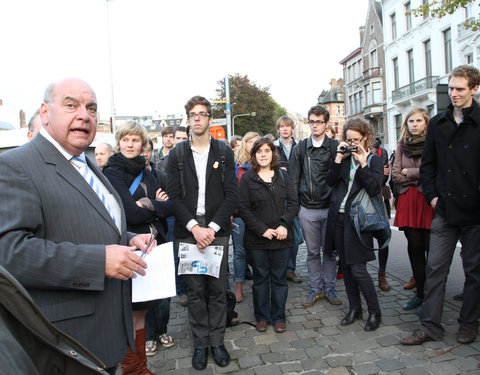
column 268, row 204
column 146, row 209
column 348, row 174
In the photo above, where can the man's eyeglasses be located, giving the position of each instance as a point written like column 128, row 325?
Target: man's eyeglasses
column 318, row 122
column 199, row 114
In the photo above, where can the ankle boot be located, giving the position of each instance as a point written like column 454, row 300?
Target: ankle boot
column 382, row 282
column 410, row 284
column 136, row 363
column 373, row 321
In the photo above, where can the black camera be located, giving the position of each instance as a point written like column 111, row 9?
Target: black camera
column 345, row 149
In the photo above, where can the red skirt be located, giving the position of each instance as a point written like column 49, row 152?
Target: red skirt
column 413, row 211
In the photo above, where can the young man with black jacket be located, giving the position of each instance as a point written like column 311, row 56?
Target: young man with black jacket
column 203, row 188
column 285, row 144
column 309, row 167
column 450, row 175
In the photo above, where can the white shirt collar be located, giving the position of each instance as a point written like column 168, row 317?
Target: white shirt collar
column 57, row 145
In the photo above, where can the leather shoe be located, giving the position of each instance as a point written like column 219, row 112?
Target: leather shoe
column 279, row 327
column 466, row 335
column 351, row 316
column 261, row 326
column 413, row 303
column 199, row 359
column 416, row 338
column 410, row 284
column 373, row 322
column 220, row 355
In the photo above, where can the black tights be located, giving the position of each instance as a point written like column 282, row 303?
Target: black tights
column 418, row 246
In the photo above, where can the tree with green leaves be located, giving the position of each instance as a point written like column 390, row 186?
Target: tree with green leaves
column 441, row 8
column 247, row 97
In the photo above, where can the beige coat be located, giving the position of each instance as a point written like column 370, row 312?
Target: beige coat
column 413, row 171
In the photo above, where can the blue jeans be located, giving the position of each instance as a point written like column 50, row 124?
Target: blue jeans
column 270, row 289
column 239, row 253
column 157, row 319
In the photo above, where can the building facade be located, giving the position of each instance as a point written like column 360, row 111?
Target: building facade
column 334, row 100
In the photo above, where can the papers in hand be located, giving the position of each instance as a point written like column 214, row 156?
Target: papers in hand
column 159, row 282
column 192, row 261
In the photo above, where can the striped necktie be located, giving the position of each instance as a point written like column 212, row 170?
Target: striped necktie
column 82, row 167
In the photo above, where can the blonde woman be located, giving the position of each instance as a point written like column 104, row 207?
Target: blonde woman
column 413, row 215
column 242, row 157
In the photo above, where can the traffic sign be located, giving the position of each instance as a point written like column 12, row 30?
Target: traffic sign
column 219, row 122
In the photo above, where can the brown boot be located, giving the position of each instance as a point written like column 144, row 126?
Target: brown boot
column 382, row 282
column 410, row 284
column 136, row 363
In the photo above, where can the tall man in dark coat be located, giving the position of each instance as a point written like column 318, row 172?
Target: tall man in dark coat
column 203, row 188
column 58, row 238
column 450, row 174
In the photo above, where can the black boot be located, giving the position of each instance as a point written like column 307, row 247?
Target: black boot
column 351, row 316
column 373, row 321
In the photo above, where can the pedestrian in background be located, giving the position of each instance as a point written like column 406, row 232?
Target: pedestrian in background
column 348, row 174
column 268, row 204
column 240, row 263
column 413, row 215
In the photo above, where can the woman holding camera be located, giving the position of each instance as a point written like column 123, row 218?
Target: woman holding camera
column 414, row 215
column 348, row 174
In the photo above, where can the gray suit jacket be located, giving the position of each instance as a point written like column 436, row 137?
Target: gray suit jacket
column 53, row 232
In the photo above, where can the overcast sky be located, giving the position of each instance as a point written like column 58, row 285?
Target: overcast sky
column 165, row 51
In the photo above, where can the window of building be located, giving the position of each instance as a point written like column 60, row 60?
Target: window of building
column 368, row 98
column 357, row 103
column 372, row 29
column 447, row 47
column 426, row 14
column 411, row 69
column 398, row 125
column 349, row 69
column 338, row 111
column 428, row 57
column 468, row 11
column 396, row 78
column 377, row 92
column 352, row 109
column 469, row 59
column 354, row 71
column 360, row 94
column 373, row 59
column 408, row 15
column 393, row 21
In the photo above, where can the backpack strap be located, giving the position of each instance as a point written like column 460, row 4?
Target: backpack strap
column 180, row 150
column 135, row 183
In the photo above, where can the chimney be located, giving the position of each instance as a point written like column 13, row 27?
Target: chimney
column 333, row 83
column 362, row 33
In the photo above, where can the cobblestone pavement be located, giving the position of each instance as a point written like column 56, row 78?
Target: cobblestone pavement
column 315, row 343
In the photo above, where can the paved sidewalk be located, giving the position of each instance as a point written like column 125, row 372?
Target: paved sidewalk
column 315, row 343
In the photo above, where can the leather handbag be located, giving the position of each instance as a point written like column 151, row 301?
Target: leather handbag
column 369, row 215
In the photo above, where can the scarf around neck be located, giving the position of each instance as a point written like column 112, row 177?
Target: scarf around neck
column 132, row 166
column 413, row 147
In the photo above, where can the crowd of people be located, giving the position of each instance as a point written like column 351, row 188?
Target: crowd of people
column 72, row 226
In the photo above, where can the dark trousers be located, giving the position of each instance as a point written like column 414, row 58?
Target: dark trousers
column 355, row 276
column 270, row 289
column 418, row 246
column 157, row 319
column 443, row 241
column 207, row 301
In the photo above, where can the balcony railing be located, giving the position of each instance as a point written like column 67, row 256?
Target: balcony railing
column 414, row 88
column 462, row 29
column 372, row 72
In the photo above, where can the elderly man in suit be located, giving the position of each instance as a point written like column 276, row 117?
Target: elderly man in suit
column 64, row 237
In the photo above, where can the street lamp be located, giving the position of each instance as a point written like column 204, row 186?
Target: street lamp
column 253, row 114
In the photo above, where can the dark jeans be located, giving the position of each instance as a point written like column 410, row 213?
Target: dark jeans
column 355, row 276
column 418, row 246
column 443, row 241
column 157, row 319
column 270, row 289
